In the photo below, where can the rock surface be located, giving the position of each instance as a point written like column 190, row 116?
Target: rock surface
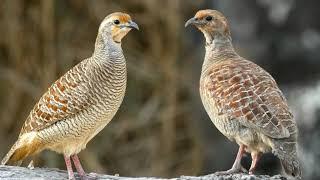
column 13, row 172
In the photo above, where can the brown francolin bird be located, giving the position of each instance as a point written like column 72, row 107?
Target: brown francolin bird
column 243, row 100
column 80, row 103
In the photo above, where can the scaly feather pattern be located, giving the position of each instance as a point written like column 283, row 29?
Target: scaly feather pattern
column 81, row 102
column 243, row 100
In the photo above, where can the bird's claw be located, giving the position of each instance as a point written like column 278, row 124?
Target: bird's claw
column 91, row 176
column 232, row 171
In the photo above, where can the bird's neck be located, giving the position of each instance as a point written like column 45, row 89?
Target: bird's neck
column 218, row 48
column 107, row 51
column 108, row 61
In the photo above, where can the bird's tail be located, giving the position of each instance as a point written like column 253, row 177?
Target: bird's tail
column 286, row 151
column 21, row 149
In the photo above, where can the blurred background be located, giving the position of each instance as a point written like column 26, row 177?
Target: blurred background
column 161, row 128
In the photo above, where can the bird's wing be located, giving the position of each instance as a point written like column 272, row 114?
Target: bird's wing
column 65, row 98
column 245, row 92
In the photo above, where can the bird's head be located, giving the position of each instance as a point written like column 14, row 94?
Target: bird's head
column 116, row 25
column 211, row 23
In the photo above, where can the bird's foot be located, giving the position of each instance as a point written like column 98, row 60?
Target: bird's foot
column 232, row 171
column 251, row 170
column 92, row 176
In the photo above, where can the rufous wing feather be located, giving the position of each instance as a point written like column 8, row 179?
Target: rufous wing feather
column 246, row 92
column 65, row 98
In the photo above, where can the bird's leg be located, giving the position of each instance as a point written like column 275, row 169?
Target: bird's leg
column 69, row 167
column 80, row 170
column 236, row 167
column 255, row 158
column 78, row 166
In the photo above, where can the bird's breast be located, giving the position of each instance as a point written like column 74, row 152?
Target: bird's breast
column 109, row 90
column 222, row 121
column 106, row 92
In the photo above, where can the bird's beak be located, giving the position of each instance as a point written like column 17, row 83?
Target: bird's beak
column 132, row 25
column 192, row 21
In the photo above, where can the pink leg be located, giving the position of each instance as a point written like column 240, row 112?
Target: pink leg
column 236, row 167
column 255, row 159
column 69, row 167
column 78, row 166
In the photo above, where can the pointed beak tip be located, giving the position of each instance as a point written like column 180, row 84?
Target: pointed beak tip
column 189, row 22
column 134, row 25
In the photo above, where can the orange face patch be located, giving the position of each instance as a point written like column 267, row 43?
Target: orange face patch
column 220, row 24
column 203, row 13
column 122, row 17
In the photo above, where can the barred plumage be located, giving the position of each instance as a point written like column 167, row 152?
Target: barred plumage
column 243, row 100
column 80, row 103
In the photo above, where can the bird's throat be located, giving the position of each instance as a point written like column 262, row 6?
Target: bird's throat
column 217, row 40
column 218, row 48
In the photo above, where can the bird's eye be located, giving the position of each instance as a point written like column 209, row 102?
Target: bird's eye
column 116, row 21
column 209, row 18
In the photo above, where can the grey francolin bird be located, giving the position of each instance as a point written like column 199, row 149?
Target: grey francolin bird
column 81, row 102
column 243, row 100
